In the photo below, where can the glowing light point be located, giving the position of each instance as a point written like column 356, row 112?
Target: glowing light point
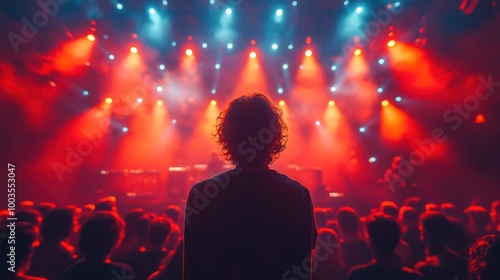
column 285, row 66
column 159, row 89
column 189, row 52
column 279, row 12
column 317, row 123
column 152, row 11
column 282, row 103
column 213, row 102
column 397, row 4
column 372, row 160
column 480, row 118
column 174, row 121
column 159, row 103
column 229, row 11
column 212, row 2
column 359, row 10
column 111, row 57
column 362, row 129
column 357, row 52
column 161, row 67
column 331, row 103
column 290, row 46
column 174, row 43
column 391, row 43
column 125, row 129
column 164, row 2
column 380, row 90
column 381, row 61
column 229, row 46
column 253, row 55
column 139, row 100
column 217, row 66
column 274, row 46
column 280, row 90
column 398, row 98
column 334, row 68
column 346, row 2
column 108, row 100
column 385, row 103
column 309, row 53
column 85, row 93
column 294, row 3
column 134, row 50
column 91, row 37
column 213, row 91
column 119, row 6
column 333, row 89
column 204, row 45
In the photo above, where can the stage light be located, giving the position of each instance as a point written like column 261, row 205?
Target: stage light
column 279, row 12
column 125, row 129
column 229, row 46
column 334, row 68
column 91, row 37
column 119, row 6
column 285, row 66
column 331, row 103
column 108, row 100
column 85, row 93
column 398, row 99
column 174, row 43
column 165, row 2
column 105, row 36
column 217, row 66
column 317, row 123
column 162, row 67
column 189, row 52
column 282, row 103
column 204, row 45
column 253, row 42
column 346, row 2
column 290, row 46
column 213, row 102
column 213, row 91
column 359, row 10
column 152, row 11
column 397, row 4
column 480, row 118
column 309, row 53
column 174, row 121
column 362, row 129
column 390, row 34
column 333, row 89
column 139, row 100
column 159, row 103
column 252, row 55
column 111, row 57
column 280, row 90
column 229, row 11
column 134, row 50
column 274, row 46
column 212, row 2
column 294, row 3
column 380, row 90
column 391, row 43
column 381, row 61
column 385, row 103
column 372, row 159
column 357, row 52
column 159, row 89
column 308, row 40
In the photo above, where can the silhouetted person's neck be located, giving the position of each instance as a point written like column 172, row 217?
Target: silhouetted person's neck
column 252, row 167
column 434, row 249
column 385, row 260
column 350, row 237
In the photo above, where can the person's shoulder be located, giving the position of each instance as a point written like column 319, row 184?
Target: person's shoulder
column 27, row 277
column 359, row 271
column 219, row 180
column 287, row 181
column 411, row 274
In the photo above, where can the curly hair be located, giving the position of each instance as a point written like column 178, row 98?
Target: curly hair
column 251, row 130
column 484, row 257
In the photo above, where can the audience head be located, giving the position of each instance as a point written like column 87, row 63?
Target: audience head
column 484, row 258
column 58, row 225
column 30, row 216
column 329, row 236
column 479, row 218
column 417, row 203
column 173, row 212
column 45, row 208
column 26, row 204
column 383, row 234
column 251, row 116
column 348, row 220
column 26, row 238
column 132, row 219
column 432, row 207
column 107, row 203
column 408, row 217
column 436, row 229
column 320, row 217
column 100, row 234
column 495, row 211
column 143, row 227
column 158, row 231
column 389, row 208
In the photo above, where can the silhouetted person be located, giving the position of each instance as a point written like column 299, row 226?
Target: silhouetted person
column 131, row 237
column 410, row 233
column 479, row 220
column 495, row 217
column 25, row 237
column 100, row 234
column 173, row 213
column 329, row 259
column 320, row 217
column 171, row 267
column 355, row 250
column 53, row 255
column 441, row 262
column 251, row 222
column 383, row 236
column 484, row 258
column 148, row 261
